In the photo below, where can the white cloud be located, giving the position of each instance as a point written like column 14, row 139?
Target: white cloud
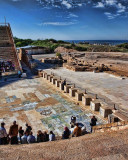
column 73, row 15
column 110, row 15
column 99, row 5
column 120, row 8
column 57, row 23
column 66, row 4
column 111, row 2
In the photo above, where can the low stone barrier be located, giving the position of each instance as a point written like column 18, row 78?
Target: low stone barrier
column 72, row 91
column 86, row 99
column 95, row 104
column 122, row 125
column 79, row 95
column 105, row 111
column 67, row 87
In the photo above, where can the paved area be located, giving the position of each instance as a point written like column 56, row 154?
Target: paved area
column 101, row 146
column 33, row 101
column 110, row 87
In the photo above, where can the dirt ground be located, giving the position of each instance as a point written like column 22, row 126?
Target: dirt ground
column 116, row 61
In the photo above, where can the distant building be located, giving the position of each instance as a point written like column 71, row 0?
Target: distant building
column 34, row 50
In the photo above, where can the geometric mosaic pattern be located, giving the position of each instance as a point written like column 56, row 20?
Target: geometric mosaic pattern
column 32, row 101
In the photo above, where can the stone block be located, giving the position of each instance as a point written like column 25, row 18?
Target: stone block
column 61, row 86
column 57, row 83
column 112, row 118
column 45, row 75
column 66, row 88
column 40, row 73
column 79, row 95
column 51, row 77
column 72, row 91
column 54, row 79
column 48, row 76
column 105, row 111
column 114, row 124
column 121, row 116
column 86, row 100
column 116, row 128
column 95, row 105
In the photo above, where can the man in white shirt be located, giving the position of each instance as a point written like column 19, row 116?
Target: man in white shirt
column 51, row 136
column 3, row 134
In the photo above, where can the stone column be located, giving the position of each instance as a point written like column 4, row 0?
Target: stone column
column 72, row 91
column 105, row 111
column 67, row 87
column 79, row 95
column 57, row 83
column 86, row 99
column 48, row 77
column 95, row 105
column 40, row 74
column 53, row 80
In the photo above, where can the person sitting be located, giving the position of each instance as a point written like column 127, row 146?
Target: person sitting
column 24, row 139
column 13, row 132
column 73, row 120
column 72, row 129
column 51, row 136
column 66, row 133
column 93, row 122
column 31, row 138
column 28, row 129
column 46, row 137
column 3, row 134
column 77, row 131
column 21, row 132
column 40, row 136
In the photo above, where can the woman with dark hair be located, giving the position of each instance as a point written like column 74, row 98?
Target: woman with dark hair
column 66, row 133
column 40, row 136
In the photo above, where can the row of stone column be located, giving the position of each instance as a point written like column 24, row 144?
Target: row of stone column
column 86, row 99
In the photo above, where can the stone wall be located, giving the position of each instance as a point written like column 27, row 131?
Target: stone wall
column 111, row 127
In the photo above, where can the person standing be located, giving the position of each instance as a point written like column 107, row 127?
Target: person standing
column 28, row 129
column 3, row 134
column 13, row 132
column 93, row 122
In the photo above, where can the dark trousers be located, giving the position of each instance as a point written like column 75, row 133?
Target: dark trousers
column 14, row 140
column 3, row 141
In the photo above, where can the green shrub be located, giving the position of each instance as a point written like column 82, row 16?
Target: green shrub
column 58, row 55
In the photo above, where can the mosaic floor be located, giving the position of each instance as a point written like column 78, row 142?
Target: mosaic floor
column 34, row 102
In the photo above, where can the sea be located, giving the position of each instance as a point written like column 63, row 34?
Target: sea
column 100, row 42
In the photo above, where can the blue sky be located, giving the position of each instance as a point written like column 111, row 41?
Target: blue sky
column 67, row 19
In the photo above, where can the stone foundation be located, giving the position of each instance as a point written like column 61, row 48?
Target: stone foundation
column 79, row 95
column 72, row 91
column 66, row 88
column 86, row 99
column 95, row 105
column 105, row 111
